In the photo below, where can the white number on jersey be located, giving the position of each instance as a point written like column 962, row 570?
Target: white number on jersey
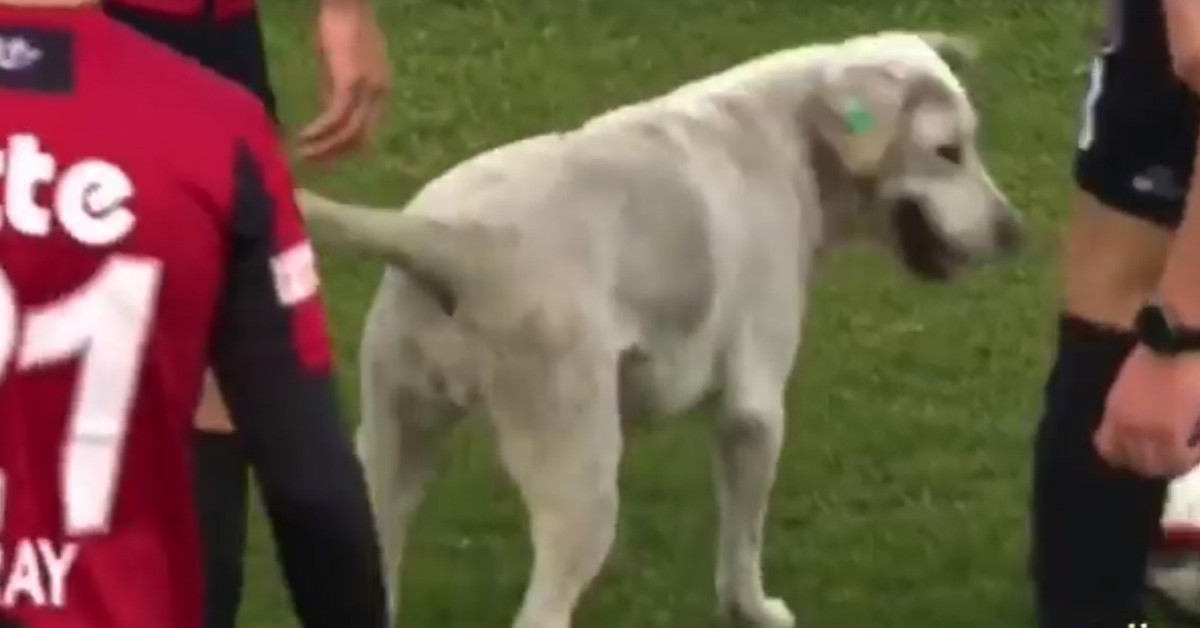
column 103, row 325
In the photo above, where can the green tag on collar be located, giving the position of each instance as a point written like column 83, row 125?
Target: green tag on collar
column 858, row 118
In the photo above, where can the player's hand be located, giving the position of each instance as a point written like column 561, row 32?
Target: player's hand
column 212, row 415
column 1183, row 35
column 1151, row 415
column 357, row 80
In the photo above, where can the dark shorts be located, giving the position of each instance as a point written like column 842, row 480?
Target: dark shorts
column 232, row 47
column 1137, row 139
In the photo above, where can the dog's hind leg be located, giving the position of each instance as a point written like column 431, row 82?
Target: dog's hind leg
column 749, row 438
column 401, row 446
column 559, row 437
column 401, row 437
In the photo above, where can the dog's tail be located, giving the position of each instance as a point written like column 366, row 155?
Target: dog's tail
column 437, row 255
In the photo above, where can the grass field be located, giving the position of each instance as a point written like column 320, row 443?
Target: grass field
column 904, row 480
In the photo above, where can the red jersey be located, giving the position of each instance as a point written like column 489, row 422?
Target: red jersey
column 221, row 9
column 133, row 183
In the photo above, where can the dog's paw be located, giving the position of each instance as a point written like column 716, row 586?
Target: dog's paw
column 770, row 613
column 393, row 608
column 775, row 614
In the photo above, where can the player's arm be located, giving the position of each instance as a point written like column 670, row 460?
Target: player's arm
column 1183, row 38
column 1179, row 286
column 271, row 357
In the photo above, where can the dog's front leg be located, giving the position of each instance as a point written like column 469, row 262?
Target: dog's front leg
column 748, row 445
column 749, row 437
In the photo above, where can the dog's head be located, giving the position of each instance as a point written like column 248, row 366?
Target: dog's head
column 901, row 132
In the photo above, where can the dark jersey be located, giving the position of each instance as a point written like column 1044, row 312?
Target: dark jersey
column 147, row 228
column 1138, row 29
column 232, row 47
column 192, row 8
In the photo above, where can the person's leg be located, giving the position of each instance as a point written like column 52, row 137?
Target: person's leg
column 221, row 487
column 1094, row 526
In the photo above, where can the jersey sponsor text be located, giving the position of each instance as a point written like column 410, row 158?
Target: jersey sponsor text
column 89, row 196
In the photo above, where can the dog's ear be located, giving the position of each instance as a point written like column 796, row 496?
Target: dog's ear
column 861, row 107
column 857, row 111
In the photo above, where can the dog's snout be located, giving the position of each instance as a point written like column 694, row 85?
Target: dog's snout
column 1009, row 232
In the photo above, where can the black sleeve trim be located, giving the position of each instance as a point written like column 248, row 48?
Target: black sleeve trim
column 289, row 420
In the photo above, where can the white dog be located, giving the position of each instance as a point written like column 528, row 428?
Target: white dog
column 660, row 254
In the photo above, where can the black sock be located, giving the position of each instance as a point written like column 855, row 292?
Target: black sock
column 1093, row 526
column 221, row 486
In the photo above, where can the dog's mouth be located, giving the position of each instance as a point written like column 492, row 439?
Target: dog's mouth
column 924, row 251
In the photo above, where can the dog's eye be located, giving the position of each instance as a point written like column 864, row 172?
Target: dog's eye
column 951, row 153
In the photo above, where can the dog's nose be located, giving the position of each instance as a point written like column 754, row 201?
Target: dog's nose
column 1009, row 233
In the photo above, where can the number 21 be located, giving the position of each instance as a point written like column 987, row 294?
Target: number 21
column 104, row 325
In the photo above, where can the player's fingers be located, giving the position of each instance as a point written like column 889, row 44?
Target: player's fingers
column 337, row 142
column 1150, row 451
column 1193, row 459
column 343, row 100
column 376, row 109
column 1108, row 445
column 1155, row 454
column 334, row 139
column 1147, row 459
column 1193, row 439
column 1182, row 458
column 341, row 139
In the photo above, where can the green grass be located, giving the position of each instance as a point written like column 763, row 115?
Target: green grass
column 902, row 490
